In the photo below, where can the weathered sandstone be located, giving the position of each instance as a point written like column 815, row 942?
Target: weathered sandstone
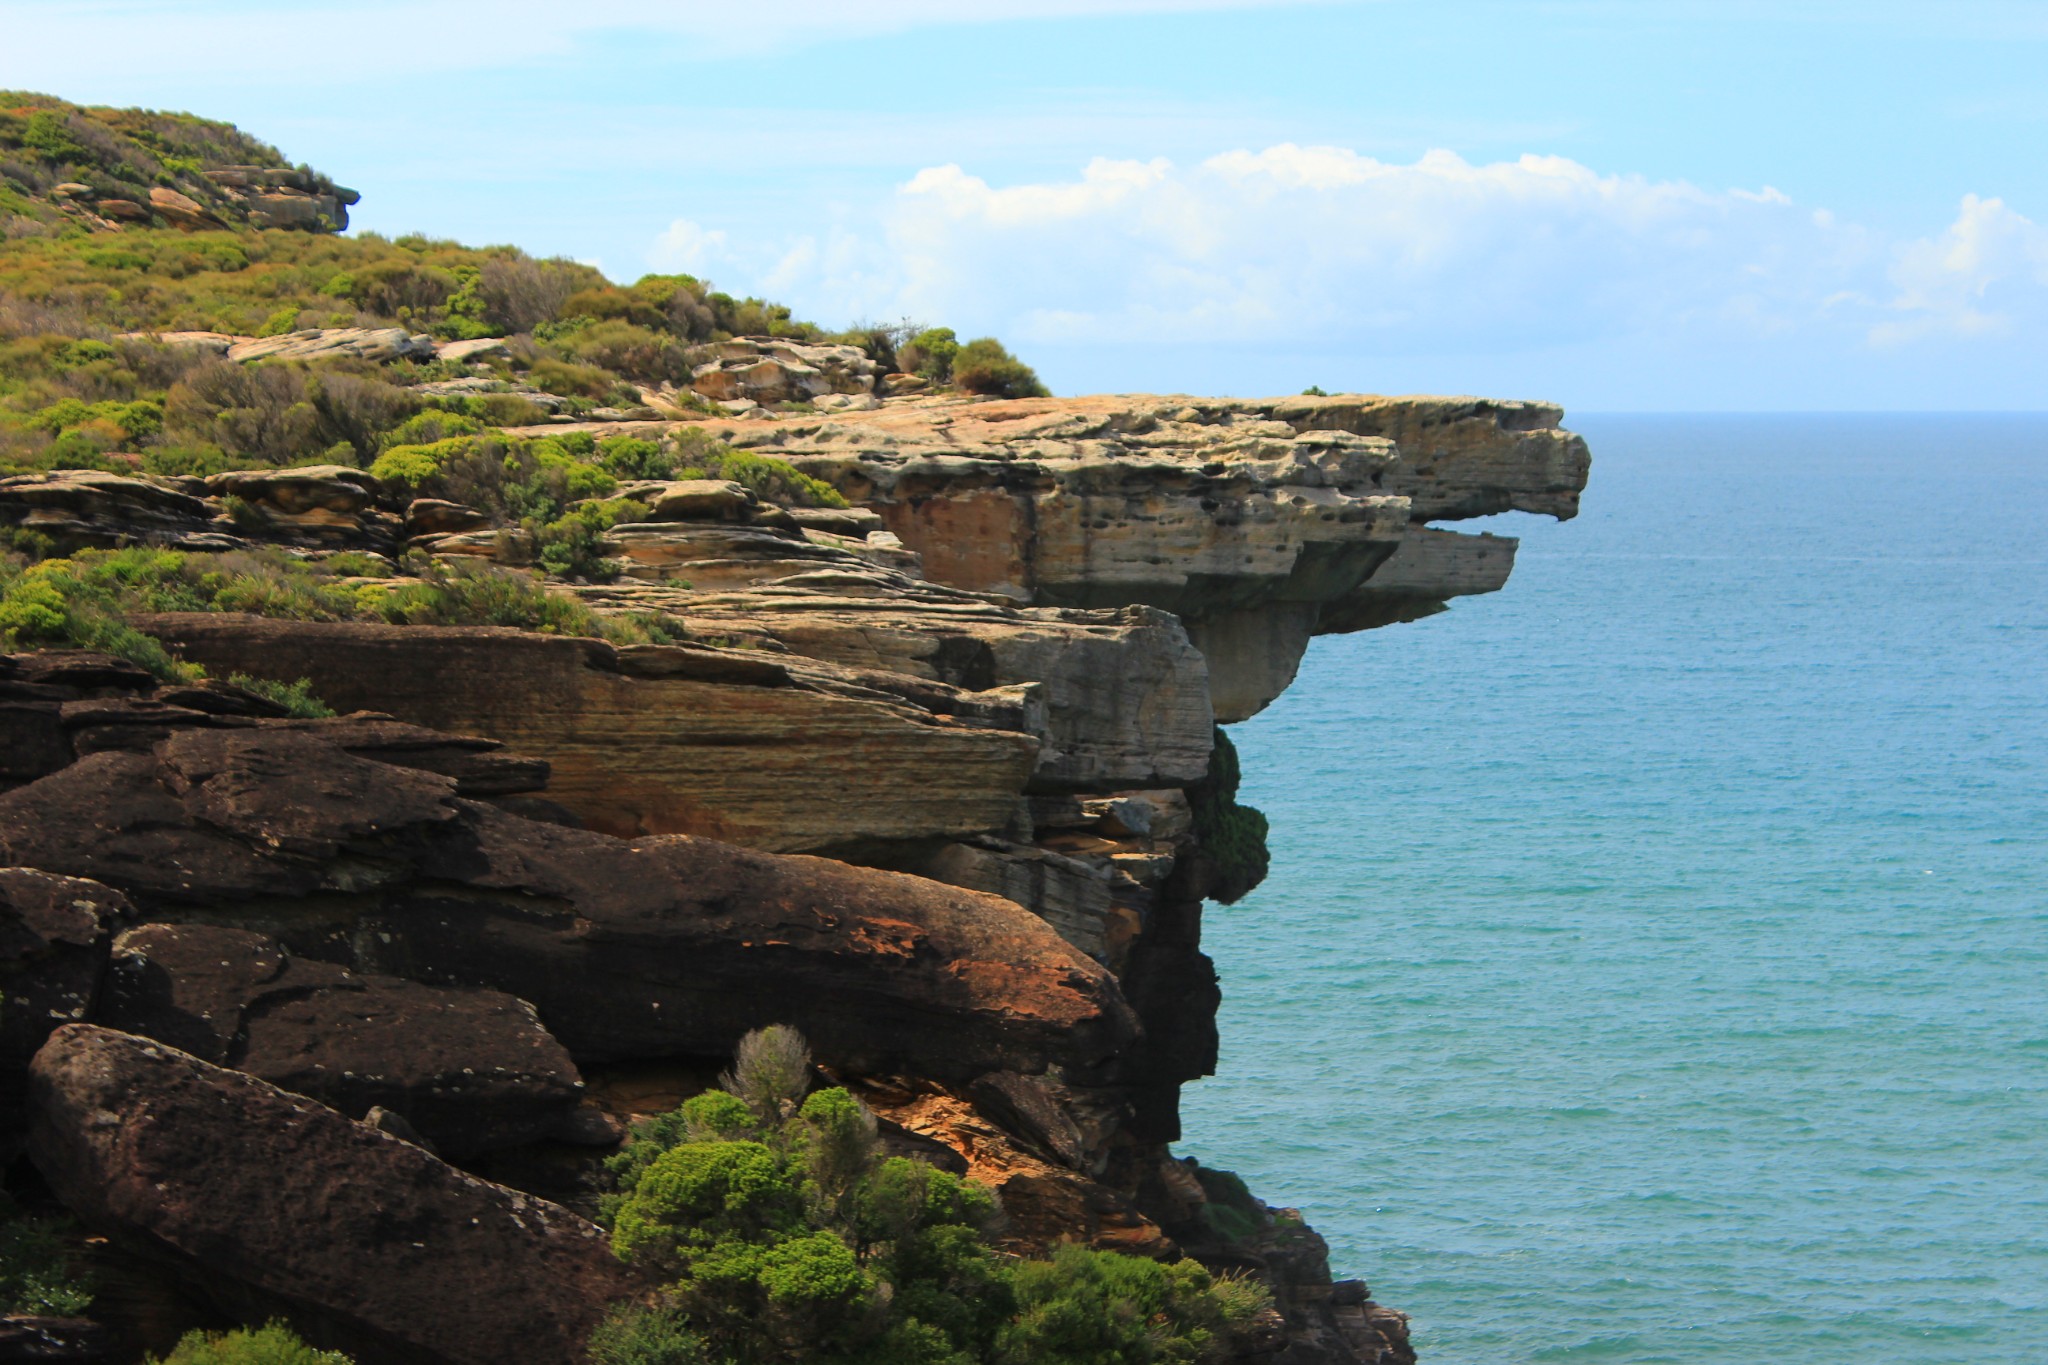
column 183, row 1159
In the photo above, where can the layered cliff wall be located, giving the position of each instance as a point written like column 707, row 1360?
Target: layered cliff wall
column 932, row 777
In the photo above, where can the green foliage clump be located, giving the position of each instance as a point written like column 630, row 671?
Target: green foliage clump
column 271, row 1344
column 82, row 602
column 1230, row 1211
column 573, row 545
column 1085, row 1306
column 930, row 353
column 510, row 479
column 697, row 456
column 1233, row 837
column 984, row 366
column 785, row 1236
column 36, row 1275
column 61, row 604
column 295, row 697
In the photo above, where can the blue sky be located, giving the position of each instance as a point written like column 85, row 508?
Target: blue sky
column 1616, row 204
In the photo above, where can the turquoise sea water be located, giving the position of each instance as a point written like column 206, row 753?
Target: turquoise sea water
column 1655, row 961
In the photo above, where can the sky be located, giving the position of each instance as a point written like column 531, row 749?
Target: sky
column 1613, row 204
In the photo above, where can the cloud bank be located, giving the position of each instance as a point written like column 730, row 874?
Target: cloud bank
column 1326, row 247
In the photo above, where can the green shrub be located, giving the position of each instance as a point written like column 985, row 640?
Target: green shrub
column 472, row 594
column 272, row 1344
column 636, row 1335
column 1083, row 1307
column 512, row 480
column 786, row 1237
column 637, row 352
column 573, row 545
column 983, row 366
column 50, row 605
column 930, row 353
column 1233, row 837
column 771, row 480
column 295, row 697
column 36, row 1276
column 573, row 380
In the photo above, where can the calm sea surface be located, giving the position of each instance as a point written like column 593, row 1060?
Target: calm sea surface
column 1655, row 961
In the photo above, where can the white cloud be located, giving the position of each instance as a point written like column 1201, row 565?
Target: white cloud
column 1954, row 284
column 688, row 248
column 1323, row 246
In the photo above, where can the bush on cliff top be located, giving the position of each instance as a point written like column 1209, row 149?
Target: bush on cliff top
column 983, row 366
column 786, row 1237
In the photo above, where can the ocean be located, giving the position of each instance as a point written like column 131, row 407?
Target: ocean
column 1654, row 965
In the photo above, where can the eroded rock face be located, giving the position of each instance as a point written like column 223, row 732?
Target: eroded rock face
column 659, row 947
column 736, row 745
column 1259, row 522
column 369, row 1242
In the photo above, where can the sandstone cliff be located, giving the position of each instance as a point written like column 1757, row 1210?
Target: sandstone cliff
column 933, row 777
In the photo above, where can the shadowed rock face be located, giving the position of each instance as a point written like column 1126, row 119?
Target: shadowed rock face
column 660, row 947
column 370, row 1242
column 470, row 1070
column 53, row 958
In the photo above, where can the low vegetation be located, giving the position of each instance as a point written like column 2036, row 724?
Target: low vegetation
column 1233, row 837
column 85, row 601
column 38, row 1274
column 784, row 1236
column 272, row 1344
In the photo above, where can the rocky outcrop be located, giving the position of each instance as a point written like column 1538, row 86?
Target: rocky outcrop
column 1259, row 523
column 369, row 1242
column 337, row 343
column 283, row 197
column 751, row 372
column 650, row 948
column 987, row 690
column 53, row 959
column 733, row 744
column 470, row 1070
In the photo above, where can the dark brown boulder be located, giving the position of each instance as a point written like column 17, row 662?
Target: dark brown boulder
column 277, row 1203
column 656, row 947
column 469, row 1070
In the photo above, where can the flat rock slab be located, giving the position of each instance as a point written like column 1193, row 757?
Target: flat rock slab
column 370, row 1243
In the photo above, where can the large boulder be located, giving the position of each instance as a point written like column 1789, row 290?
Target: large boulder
column 469, row 1069
column 276, row 1203
column 79, row 508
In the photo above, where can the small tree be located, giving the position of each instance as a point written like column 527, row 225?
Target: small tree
column 984, row 366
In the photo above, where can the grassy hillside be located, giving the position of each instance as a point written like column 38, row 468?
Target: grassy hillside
column 86, row 383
